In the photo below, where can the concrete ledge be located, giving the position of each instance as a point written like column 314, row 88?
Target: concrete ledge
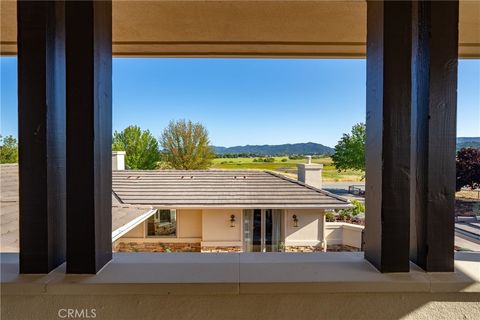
column 240, row 273
column 273, row 286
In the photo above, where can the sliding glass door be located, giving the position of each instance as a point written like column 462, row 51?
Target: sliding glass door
column 263, row 230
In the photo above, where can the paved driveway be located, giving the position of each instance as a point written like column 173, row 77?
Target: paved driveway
column 341, row 189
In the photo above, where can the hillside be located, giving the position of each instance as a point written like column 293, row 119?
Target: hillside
column 468, row 142
column 308, row 148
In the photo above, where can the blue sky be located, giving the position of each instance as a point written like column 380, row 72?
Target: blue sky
column 246, row 101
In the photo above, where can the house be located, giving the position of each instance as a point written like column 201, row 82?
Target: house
column 226, row 210
column 409, row 268
column 123, row 215
column 207, row 211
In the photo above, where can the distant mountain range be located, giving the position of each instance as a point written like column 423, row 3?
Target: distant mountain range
column 468, row 142
column 308, row 148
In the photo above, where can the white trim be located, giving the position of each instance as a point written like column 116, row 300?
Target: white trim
column 255, row 206
column 118, row 233
column 345, row 225
column 303, row 243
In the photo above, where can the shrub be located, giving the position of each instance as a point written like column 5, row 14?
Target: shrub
column 359, row 207
column 8, row 149
column 468, row 168
column 329, row 216
column 345, row 215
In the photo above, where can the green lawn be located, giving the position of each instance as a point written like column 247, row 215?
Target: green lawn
column 289, row 167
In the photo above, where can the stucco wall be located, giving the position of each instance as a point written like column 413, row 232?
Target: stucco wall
column 216, row 225
column 352, row 235
column 344, row 234
column 137, row 232
column 310, row 227
column 349, row 306
column 189, row 223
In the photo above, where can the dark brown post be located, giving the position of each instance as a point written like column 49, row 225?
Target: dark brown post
column 389, row 35
column 89, row 135
column 435, row 55
column 41, row 133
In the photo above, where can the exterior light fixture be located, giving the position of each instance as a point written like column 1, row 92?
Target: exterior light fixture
column 232, row 221
column 295, row 220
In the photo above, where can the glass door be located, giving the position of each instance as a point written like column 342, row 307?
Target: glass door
column 263, row 230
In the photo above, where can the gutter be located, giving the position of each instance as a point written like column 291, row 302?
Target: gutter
column 118, row 233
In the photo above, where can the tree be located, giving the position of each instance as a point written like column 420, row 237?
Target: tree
column 468, row 168
column 141, row 148
column 350, row 150
column 8, row 150
column 186, row 145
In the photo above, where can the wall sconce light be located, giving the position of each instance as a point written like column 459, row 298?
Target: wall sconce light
column 295, row 220
column 232, row 221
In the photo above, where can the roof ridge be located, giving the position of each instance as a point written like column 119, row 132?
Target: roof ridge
column 324, row 192
column 117, row 197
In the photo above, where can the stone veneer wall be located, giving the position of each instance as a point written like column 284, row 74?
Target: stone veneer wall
column 330, row 248
column 196, row 247
column 158, row 247
column 222, row 249
column 303, row 249
column 341, row 247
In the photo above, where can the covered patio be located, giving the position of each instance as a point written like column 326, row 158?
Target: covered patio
column 409, row 269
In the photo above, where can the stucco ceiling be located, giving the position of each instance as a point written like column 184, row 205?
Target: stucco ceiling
column 244, row 28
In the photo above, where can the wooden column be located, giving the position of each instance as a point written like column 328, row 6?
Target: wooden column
column 89, row 135
column 389, row 35
column 41, row 133
column 435, row 55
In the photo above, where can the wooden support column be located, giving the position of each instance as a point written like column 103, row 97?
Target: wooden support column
column 435, row 55
column 389, row 35
column 41, row 133
column 89, row 135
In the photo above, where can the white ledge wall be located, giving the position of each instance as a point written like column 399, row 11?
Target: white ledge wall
column 239, row 286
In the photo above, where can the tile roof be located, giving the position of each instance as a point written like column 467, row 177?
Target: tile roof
column 219, row 188
column 122, row 213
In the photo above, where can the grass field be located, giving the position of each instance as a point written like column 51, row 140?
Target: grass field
column 287, row 166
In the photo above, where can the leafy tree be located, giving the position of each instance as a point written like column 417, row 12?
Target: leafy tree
column 350, row 150
column 8, row 149
column 186, row 145
column 468, row 168
column 141, row 148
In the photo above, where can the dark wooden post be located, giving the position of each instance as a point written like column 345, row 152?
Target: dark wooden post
column 435, row 55
column 41, row 132
column 389, row 35
column 89, row 135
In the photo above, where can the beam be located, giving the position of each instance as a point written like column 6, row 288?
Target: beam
column 435, row 55
column 388, row 134
column 89, row 135
column 41, row 132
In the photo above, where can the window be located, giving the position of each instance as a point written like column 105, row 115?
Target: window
column 162, row 224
